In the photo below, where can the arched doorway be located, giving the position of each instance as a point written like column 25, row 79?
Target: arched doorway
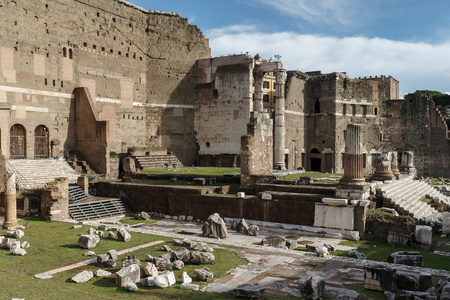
column 316, row 160
column 41, row 142
column 17, row 142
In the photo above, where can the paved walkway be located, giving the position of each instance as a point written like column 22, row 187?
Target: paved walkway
column 48, row 274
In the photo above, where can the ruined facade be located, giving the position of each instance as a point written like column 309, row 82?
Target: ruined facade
column 137, row 66
column 317, row 109
column 92, row 78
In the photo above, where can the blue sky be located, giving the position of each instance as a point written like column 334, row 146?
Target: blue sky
column 408, row 39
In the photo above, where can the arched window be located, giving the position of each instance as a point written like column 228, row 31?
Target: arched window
column 64, row 52
column 41, row 145
column 70, row 53
column 17, row 143
column 315, row 151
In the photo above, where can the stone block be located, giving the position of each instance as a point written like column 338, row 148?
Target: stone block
column 425, row 281
column 266, row 196
column 204, row 274
column 334, row 201
column 199, row 181
column 406, row 282
column 88, row 241
column 379, row 278
column 337, row 217
column 123, row 235
column 446, row 223
column 409, row 258
column 83, row 277
column 202, row 258
column 424, row 234
column 240, row 195
column 253, row 230
column 148, row 282
column 272, row 241
column 247, row 290
column 129, row 274
column 314, row 287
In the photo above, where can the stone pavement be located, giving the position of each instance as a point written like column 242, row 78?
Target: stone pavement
column 282, row 272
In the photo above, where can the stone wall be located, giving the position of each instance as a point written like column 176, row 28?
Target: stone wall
column 224, row 105
column 139, row 66
column 55, row 200
column 200, row 202
column 413, row 125
column 257, row 150
column 295, row 119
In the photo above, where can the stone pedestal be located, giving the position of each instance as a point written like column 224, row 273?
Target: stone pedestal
column 279, row 138
column 383, row 170
column 353, row 186
column 394, row 165
column 10, row 203
column 407, row 164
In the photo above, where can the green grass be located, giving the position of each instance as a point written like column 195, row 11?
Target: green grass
column 53, row 245
column 374, row 295
column 200, row 171
column 133, row 221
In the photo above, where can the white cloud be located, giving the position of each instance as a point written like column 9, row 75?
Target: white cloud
column 416, row 65
column 343, row 12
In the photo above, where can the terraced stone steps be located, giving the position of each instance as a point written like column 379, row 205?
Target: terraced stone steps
column 97, row 209
column 406, row 196
column 34, row 174
column 77, row 194
column 157, row 161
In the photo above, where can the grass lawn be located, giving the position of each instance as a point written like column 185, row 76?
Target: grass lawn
column 130, row 220
column 200, row 171
column 53, row 245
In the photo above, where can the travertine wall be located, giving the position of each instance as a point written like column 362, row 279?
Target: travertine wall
column 139, row 65
column 224, row 104
column 413, row 125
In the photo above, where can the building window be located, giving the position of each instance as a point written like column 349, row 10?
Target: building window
column 266, row 98
column 265, row 85
column 344, row 109
column 353, row 109
column 70, row 53
column 364, row 110
column 375, row 111
column 317, row 107
column 64, row 52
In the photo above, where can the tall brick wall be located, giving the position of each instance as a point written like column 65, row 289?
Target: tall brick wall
column 139, row 65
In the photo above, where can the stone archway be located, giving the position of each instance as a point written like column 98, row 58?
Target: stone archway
column 17, row 143
column 316, row 160
column 41, row 142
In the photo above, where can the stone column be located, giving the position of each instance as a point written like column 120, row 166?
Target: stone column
column 394, row 164
column 352, row 185
column 259, row 105
column 10, row 203
column 383, row 170
column 83, row 183
column 353, row 156
column 279, row 120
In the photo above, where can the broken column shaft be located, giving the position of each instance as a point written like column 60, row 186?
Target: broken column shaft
column 258, row 76
column 353, row 156
column 10, row 203
column 279, row 139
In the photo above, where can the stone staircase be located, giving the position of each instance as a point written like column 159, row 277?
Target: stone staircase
column 406, row 195
column 157, row 161
column 77, row 194
column 34, row 174
column 97, row 209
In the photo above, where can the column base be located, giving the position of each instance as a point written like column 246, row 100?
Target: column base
column 353, row 191
column 10, row 224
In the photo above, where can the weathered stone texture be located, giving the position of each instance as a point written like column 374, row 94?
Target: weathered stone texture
column 126, row 56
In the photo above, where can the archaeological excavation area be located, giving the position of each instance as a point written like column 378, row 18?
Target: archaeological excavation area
column 133, row 164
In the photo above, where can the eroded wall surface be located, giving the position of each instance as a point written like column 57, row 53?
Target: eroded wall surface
column 139, row 65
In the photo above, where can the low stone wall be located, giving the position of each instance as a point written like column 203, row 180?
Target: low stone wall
column 200, row 202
